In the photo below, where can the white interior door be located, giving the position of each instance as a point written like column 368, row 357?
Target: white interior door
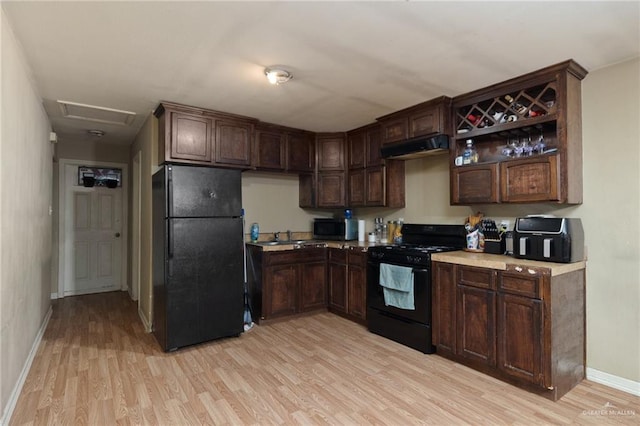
column 94, row 242
column 97, row 223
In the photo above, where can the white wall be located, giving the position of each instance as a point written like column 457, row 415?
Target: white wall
column 25, row 225
column 271, row 199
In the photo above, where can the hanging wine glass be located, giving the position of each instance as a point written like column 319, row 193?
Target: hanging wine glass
column 540, row 144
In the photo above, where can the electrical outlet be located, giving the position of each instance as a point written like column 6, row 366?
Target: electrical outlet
column 504, row 225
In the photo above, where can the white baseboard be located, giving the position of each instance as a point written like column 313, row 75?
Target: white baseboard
column 13, row 398
column 145, row 321
column 612, row 381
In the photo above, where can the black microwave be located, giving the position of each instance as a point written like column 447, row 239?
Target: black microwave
column 335, row 229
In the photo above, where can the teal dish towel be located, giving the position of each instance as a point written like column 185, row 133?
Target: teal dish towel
column 397, row 286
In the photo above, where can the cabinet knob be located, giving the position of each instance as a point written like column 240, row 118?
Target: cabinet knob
column 531, row 271
column 518, row 268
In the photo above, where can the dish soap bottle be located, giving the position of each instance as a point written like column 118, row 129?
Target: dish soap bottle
column 255, row 232
column 470, row 154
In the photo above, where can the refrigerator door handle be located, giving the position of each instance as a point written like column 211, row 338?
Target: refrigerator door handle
column 170, row 247
column 170, row 191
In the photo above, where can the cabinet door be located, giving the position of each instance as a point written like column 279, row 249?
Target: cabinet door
column 338, row 285
column 520, row 337
column 425, row 122
column 331, row 189
column 530, row 180
column 280, row 290
column 313, row 286
column 474, row 184
column 330, row 152
column 373, row 144
column 357, row 188
column 233, row 142
column 307, row 190
column 395, row 130
column 444, row 307
column 476, row 324
column 269, row 150
column 300, row 152
column 357, row 284
column 375, row 186
column 191, row 137
column 356, row 145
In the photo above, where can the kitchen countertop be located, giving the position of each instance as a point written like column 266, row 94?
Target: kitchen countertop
column 346, row 245
column 481, row 260
column 504, row 262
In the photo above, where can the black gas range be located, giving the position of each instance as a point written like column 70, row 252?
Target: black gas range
column 399, row 283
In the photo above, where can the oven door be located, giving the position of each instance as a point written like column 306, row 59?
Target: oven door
column 421, row 293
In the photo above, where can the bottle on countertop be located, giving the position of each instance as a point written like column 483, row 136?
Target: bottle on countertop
column 255, row 232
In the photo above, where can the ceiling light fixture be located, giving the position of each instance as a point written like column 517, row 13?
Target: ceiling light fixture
column 277, row 76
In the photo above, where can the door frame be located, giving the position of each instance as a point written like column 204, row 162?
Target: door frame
column 62, row 209
column 136, row 221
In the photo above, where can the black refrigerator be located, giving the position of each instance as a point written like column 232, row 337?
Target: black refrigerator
column 197, row 254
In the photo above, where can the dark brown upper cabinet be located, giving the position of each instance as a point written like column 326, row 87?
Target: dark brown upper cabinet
column 301, row 155
column 528, row 135
column 199, row 136
column 269, row 148
column 431, row 117
column 330, row 148
column 372, row 181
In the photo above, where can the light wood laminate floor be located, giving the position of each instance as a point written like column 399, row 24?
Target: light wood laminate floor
column 97, row 366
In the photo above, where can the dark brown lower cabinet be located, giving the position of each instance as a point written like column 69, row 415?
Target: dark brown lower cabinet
column 524, row 324
column 281, row 290
column 476, row 324
column 348, row 283
column 286, row 282
column 357, row 285
column 520, row 338
column 313, row 286
column 476, row 309
column 337, row 275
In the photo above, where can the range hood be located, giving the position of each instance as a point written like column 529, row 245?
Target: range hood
column 416, row 147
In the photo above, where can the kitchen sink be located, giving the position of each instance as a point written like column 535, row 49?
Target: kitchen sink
column 286, row 243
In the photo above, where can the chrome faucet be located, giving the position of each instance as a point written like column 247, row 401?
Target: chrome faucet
column 276, row 236
column 288, row 235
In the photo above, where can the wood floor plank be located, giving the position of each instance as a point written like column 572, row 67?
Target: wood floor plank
column 96, row 365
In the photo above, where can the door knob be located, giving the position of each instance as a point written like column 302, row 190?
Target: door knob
column 117, row 235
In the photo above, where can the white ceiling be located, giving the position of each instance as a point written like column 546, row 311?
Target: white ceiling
column 352, row 61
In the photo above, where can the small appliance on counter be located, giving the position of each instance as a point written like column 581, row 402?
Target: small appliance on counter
column 335, row 229
column 552, row 239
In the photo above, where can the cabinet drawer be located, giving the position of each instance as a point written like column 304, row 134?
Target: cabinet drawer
column 358, row 258
column 476, row 277
column 522, row 281
column 337, row 255
column 295, row 256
